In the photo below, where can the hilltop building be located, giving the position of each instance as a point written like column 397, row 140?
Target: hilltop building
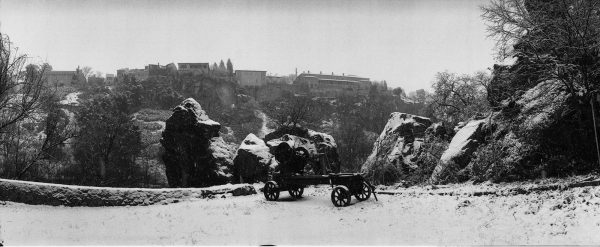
column 60, row 78
column 110, row 79
column 332, row 85
column 251, row 77
column 139, row 74
column 193, row 68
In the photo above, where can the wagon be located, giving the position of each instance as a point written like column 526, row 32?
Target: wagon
column 344, row 186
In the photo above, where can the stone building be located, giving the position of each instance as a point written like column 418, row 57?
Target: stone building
column 139, row 74
column 193, row 68
column 110, row 79
column 251, row 77
column 332, row 85
column 63, row 78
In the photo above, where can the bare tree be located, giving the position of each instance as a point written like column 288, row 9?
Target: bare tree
column 20, row 88
column 458, row 97
column 24, row 104
column 292, row 111
column 86, row 71
column 561, row 39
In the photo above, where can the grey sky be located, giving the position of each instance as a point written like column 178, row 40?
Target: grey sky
column 402, row 42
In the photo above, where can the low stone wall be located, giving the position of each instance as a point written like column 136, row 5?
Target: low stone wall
column 70, row 195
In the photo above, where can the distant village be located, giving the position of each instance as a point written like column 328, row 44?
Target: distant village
column 258, row 83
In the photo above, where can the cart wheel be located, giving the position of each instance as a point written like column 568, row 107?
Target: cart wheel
column 271, row 191
column 340, row 196
column 296, row 192
column 365, row 192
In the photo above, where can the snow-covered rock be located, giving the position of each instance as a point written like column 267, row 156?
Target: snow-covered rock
column 252, row 161
column 193, row 156
column 327, row 148
column 397, row 147
column 321, row 148
column 540, row 103
column 458, row 154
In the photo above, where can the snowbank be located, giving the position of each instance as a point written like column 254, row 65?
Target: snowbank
column 71, row 195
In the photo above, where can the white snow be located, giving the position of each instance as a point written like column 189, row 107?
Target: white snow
column 540, row 103
column 264, row 130
column 326, row 137
column 460, row 140
column 209, row 122
column 294, row 142
column 71, row 99
column 256, row 146
column 539, row 218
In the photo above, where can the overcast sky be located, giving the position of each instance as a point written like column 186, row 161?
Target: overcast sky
column 402, row 42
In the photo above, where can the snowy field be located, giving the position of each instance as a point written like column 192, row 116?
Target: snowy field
column 549, row 217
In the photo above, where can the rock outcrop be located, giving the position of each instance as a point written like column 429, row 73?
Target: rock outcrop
column 194, row 155
column 397, row 148
column 253, row 160
column 459, row 152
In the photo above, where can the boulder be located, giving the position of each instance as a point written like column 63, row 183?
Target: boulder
column 397, row 147
column 328, row 156
column 251, row 164
column 319, row 148
column 222, row 157
column 539, row 104
column 194, row 154
column 293, row 151
column 458, row 154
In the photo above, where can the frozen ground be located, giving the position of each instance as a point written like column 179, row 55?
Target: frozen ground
column 550, row 217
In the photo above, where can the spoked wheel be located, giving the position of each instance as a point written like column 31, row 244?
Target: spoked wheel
column 365, row 192
column 271, row 191
column 340, row 196
column 296, row 192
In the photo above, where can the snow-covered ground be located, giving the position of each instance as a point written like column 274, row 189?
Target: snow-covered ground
column 551, row 217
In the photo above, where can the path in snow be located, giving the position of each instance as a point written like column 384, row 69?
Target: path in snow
column 552, row 217
column 264, row 130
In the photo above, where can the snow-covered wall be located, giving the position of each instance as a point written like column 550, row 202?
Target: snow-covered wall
column 71, row 195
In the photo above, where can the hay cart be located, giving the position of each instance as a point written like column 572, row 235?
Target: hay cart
column 344, row 185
